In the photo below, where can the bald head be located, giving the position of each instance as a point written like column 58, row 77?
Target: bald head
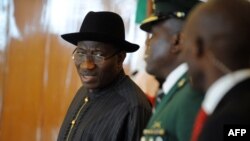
column 224, row 27
column 217, row 33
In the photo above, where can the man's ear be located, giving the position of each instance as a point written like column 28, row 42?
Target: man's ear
column 121, row 57
column 199, row 47
column 176, row 48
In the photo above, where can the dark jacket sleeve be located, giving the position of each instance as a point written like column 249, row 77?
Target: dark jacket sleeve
column 137, row 121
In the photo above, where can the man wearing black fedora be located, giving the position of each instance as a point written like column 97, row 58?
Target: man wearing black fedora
column 109, row 106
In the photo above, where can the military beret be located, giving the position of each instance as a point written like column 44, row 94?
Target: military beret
column 165, row 9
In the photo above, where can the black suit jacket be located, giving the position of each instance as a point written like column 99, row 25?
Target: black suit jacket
column 234, row 108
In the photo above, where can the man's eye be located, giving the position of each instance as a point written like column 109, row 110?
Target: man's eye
column 98, row 54
column 79, row 52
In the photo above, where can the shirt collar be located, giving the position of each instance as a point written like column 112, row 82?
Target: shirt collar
column 173, row 77
column 220, row 87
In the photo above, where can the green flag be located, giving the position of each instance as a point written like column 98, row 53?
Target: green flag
column 141, row 11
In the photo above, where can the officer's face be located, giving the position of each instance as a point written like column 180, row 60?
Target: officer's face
column 159, row 58
column 97, row 63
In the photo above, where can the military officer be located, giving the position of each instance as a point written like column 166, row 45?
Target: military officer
column 174, row 115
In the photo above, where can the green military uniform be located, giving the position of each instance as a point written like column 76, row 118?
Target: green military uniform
column 174, row 117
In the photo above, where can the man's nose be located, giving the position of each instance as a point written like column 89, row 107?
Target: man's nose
column 88, row 63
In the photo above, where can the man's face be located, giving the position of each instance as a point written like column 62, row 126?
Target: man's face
column 195, row 60
column 97, row 63
column 159, row 58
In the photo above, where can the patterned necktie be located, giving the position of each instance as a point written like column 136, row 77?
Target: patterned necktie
column 198, row 125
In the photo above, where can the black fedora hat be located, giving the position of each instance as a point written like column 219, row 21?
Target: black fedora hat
column 102, row 26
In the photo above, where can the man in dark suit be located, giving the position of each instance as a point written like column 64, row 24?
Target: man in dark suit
column 109, row 106
column 216, row 40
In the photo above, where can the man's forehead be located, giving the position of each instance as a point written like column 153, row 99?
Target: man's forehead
column 193, row 21
column 159, row 27
column 171, row 25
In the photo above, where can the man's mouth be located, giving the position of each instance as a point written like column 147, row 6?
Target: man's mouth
column 87, row 77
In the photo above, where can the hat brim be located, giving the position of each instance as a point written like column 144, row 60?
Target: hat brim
column 74, row 38
column 149, row 22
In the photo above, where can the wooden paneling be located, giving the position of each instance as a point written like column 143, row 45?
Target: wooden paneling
column 39, row 82
column 1, row 81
